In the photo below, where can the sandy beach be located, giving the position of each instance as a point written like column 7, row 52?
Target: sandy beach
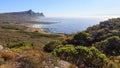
column 32, row 28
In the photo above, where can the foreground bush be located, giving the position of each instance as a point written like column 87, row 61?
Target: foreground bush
column 110, row 46
column 112, row 65
column 82, row 56
column 50, row 46
column 83, row 38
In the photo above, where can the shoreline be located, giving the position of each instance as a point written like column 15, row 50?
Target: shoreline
column 32, row 28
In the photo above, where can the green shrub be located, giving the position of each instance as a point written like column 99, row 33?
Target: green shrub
column 72, row 66
column 110, row 46
column 19, row 44
column 80, row 55
column 118, row 58
column 50, row 46
column 83, row 38
column 2, row 61
column 112, row 65
column 18, row 50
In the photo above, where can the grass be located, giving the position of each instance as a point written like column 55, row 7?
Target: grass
column 25, row 43
column 13, row 34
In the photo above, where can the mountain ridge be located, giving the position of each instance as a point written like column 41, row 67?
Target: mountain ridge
column 29, row 15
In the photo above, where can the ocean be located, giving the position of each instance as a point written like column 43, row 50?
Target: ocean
column 67, row 25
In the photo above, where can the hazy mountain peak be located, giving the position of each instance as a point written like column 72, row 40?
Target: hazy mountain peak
column 30, row 11
column 22, row 15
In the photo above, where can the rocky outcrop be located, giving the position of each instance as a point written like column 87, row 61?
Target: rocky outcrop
column 53, row 62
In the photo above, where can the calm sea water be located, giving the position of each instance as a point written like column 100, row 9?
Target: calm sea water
column 67, row 25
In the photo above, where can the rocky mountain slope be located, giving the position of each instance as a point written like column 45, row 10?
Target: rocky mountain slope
column 21, row 16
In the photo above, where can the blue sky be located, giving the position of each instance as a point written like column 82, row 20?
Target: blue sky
column 64, row 8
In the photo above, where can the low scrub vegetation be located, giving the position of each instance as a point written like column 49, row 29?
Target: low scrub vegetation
column 96, row 47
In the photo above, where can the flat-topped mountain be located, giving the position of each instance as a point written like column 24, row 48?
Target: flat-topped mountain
column 23, row 15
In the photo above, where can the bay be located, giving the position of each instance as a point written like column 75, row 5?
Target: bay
column 67, row 25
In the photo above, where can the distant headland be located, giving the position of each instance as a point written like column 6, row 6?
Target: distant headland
column 29, row 15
